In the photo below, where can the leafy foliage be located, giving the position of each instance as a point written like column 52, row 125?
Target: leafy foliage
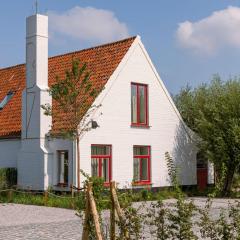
column 98, row 193
column 212, row 111
column 133, row 222
column 157, row 219
column 180, row 218
column 226, row 226
column 8, row 177
column 173, row 173
column 73, row 95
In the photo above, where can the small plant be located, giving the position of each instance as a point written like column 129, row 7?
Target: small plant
column 180, row 218
column 98, row 194
column 226, row 226
column 157, row 220
column 133, row 217
column 146, row 195
column 8, row 177
column 132, row 224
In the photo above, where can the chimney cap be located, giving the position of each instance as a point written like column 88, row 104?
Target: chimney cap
column 37, row 25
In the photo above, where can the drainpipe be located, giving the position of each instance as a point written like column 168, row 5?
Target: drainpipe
column 74, row 163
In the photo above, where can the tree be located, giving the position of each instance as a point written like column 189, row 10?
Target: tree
column 73, row 95
column 213, row 112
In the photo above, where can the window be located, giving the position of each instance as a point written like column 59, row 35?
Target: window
column 141, row 164
column 101, row 161
column 63, row 167
column 6, row 99
column 139, row 104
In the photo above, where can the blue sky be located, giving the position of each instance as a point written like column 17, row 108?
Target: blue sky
column 188, row 40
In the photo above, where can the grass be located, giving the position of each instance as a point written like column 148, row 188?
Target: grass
column 30, row 198
column 65, row 200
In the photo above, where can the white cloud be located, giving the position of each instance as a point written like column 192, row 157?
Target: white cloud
column 219, row 30
column 87, row 24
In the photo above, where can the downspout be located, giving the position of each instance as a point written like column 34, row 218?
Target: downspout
column 74, row 163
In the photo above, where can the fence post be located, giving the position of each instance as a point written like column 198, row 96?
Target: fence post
column 112, row 213
column 119, row 211
column 94, row 212
column 45, row 198
column 72, row 201
column 10, row 195
column 85, row 233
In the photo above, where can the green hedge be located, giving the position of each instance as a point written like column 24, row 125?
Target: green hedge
column 8, row 177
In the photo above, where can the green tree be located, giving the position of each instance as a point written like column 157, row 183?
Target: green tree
column 73, row 95
column 212, row 111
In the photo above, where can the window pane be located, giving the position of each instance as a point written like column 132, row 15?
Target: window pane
column 6, row 100
column 141, row 150
column 100, row 150
column 94, row 167
column 136, row 172
column 105, row 169
column 142, row 103
column 134, row 103
column 144, row 169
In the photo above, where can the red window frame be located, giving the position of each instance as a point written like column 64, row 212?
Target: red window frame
column 100, row 157
column 148, row 156
column 138, row 123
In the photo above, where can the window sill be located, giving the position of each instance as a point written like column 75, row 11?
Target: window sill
column 141, row 184
column 106, row 184
column 139, row 126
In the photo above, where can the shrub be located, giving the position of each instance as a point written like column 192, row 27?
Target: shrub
column 226, row 226
column 156, row 218
column 8, row 177
column 98, row 190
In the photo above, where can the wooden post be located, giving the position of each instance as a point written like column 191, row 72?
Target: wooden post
column 85, row 233
column 10, row 195
column 94, row 212
column 45, row 198
column 72, row 201
column 72, row 190
column 112, row 214
column 119, row 210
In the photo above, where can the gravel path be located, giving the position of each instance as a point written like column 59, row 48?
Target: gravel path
column 34, row 222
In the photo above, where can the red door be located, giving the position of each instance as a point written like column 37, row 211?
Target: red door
column 202, row 172
column 202, row 178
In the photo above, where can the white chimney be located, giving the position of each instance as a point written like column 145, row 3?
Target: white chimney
column 35, row 123
column 37, row 51
column 35, row 156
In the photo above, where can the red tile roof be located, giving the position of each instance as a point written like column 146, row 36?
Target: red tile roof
column 101, row 61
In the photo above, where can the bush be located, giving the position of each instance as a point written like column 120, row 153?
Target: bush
column 8, row 177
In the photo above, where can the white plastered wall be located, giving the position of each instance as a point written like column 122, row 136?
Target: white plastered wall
column 166, row 131
column 9, row 149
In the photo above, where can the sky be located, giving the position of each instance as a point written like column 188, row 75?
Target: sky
column 188, row 41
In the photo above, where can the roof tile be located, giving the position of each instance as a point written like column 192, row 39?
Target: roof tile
column 101, row 62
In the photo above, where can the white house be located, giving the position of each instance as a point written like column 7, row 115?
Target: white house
column 138, row 121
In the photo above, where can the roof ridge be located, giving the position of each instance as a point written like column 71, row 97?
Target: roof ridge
column 13, row 66
column 98, row 46
column 82, row 50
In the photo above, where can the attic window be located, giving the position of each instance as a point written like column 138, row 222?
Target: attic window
column 6, row 99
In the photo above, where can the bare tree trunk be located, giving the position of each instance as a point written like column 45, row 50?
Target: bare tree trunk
column 228, row 182
column 78, row 162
